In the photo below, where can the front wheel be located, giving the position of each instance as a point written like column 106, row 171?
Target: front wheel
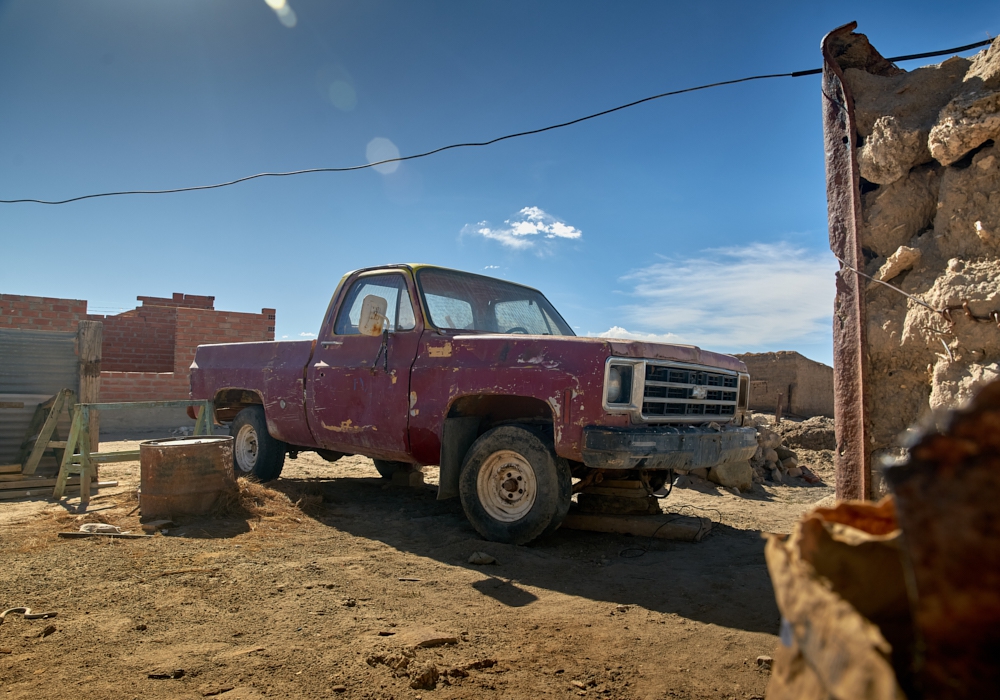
column 255, row 453
column 513, row 486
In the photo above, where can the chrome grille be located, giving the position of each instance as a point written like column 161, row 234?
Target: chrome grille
column 669, row 393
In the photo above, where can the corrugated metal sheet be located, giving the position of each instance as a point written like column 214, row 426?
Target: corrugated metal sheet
column 34, row 365
column 37, row 362
column 14, row 424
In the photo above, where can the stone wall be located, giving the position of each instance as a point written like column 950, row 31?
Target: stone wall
column 930, row 186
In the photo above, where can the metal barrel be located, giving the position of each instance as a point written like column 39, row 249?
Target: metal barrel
column 184, row 476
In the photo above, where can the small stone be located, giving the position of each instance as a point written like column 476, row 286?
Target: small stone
column 578, row 684
column 765, row 662
column 770, row 455
column 784, row 453
column 621, row 609
column 140, row 628
column 732, row 489
column 349, row 603
column 164, row 674
column 426, row 678
column 789, row 463
column 905, row 258
column 208, row 691
column 732, row 474
column 700, row 472
column 49, row 629
column 481, row 558
column 339, row 688
column 794, row 472
column 776, row 476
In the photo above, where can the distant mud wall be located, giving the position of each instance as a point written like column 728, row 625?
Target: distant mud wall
column 927, row 173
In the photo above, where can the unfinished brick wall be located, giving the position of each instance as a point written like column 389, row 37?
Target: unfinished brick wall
column 41, row 313
column 806, row 386
column 147, row 351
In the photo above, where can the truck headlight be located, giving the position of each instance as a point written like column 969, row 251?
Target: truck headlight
column 620, row 384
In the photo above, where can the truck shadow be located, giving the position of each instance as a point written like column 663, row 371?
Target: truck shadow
column 721, row 580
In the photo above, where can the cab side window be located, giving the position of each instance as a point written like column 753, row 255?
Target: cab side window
column 392, row 288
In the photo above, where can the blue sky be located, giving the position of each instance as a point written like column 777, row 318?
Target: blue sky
column 699, row 218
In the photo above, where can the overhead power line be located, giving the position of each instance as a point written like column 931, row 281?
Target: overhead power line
column 473, row 144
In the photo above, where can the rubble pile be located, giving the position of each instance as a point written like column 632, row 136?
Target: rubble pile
column 774, row 460
column 930, row 168
column 816, row 433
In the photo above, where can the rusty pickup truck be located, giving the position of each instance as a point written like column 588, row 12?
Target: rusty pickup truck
column 419, row 365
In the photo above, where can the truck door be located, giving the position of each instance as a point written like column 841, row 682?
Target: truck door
column 358, row 386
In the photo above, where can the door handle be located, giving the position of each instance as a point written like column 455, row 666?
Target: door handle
column 328, row 343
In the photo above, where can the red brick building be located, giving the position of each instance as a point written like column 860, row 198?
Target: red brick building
column 147, row 352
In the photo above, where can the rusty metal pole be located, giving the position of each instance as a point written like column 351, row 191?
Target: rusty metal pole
column 850, row 357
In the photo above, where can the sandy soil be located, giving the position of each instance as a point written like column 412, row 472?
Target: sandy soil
column 328, row 598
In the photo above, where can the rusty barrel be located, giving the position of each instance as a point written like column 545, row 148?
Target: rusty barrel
column 184, row 476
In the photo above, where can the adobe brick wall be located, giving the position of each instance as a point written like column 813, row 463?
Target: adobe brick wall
column 806, row 385
column 147, row 351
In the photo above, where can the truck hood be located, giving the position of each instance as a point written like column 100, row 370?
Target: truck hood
column 570, row 345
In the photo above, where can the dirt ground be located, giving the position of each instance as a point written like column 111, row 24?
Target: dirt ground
column 327, row 598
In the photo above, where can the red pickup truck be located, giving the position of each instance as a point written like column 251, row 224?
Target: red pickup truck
column 420, row 365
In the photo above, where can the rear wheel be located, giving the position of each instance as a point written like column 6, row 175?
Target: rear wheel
column 255, row 453
column 513, row 486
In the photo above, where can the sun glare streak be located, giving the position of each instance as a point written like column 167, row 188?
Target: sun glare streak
column 286, row 15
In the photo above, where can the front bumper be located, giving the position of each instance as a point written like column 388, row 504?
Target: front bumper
column 666, row 447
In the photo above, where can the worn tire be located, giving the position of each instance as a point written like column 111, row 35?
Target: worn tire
column 255, row 453
column 513, row 486
column 386, row 468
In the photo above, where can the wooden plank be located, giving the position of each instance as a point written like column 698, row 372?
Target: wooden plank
column 665, row 527
column 35, row 483
column 67, row 461
column 90, row 335
column 11, row 404
column 120, row 535
column 10, row 468
column 69, row 490
column 123, row 456
column 45, row 434
column 57, row 443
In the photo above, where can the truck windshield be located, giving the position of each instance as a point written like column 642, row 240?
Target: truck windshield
column 462, row 301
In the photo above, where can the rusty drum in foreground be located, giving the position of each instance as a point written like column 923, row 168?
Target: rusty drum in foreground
column 184, row 476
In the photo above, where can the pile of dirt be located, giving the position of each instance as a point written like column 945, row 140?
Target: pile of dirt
column 930, row 172
column 810, row 434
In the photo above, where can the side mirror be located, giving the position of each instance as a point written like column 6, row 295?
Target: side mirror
column 373, row 318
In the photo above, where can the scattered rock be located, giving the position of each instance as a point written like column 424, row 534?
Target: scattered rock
column 770, row 455
column 905, row 258
column 339, row 689
column 424, row 637
column 966, row 123
column 164, row 674
column 347, row 602
column 140, row 628
column 622, row 608
column 701, row 472
column 154, row 525
column 784, row 453
column 732, row 489
column 208, row 691
column 789, row 463
column 426, row 678
column 794, row 472
column 398, row 663
column 764, row 662
column 776, row 475
column 735, row 474
column 49, row 629
column 481, row 559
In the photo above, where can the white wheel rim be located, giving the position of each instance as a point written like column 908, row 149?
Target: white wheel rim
column 246, row 448
column 506, row 486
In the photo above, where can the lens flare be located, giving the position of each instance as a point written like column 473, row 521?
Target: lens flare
column 380, row 148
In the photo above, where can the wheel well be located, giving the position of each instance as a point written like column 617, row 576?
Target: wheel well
column 498, row 409
column 229, row 402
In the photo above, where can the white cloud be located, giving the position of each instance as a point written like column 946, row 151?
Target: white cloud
column 492, row 267
column 763, row 295
column 307, row 335
column 525, row 230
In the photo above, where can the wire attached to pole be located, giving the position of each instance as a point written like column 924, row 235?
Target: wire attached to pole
column 477, row 144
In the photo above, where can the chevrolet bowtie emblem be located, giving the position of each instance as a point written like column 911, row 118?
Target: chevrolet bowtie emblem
column 699, row 392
